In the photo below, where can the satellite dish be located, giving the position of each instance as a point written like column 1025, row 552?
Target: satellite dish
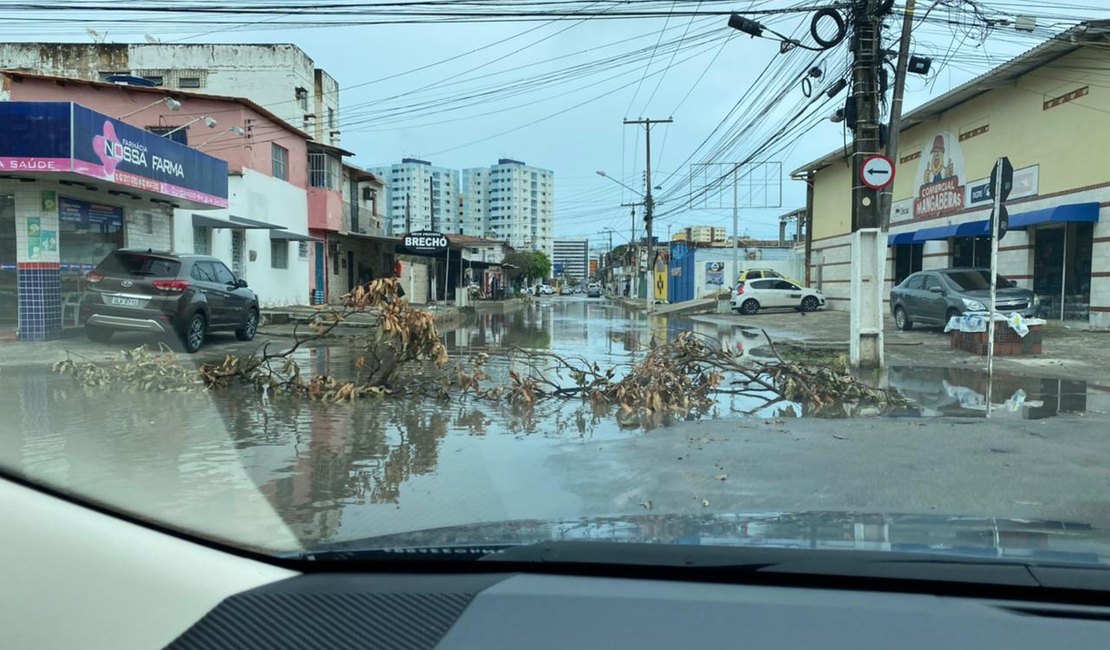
column 96, row 36
column 151, row 39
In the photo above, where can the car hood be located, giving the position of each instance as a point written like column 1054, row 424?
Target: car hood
column 958, row 535
column 985, row 294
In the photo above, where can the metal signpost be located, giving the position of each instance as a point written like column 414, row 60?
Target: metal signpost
column 1002, row 181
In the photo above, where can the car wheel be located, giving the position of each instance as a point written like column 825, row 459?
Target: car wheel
column 810, row 303
column 194, row 333
column 98, row 334
column 902, row 320
column 750, row 307
column 249, row 328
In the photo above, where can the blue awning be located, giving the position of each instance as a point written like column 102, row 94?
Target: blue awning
column 932, row 234
column 974, row 229
column 1082, row 212
column 900, row 238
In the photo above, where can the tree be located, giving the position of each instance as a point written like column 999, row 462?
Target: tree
column 541, row 265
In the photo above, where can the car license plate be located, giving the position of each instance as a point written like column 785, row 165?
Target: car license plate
column 124, row 302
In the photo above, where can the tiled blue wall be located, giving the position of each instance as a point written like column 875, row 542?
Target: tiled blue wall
column 40, row 301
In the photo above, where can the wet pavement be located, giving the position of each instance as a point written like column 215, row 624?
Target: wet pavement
column 276, row 473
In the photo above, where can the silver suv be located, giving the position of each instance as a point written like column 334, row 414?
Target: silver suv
column 933, row 297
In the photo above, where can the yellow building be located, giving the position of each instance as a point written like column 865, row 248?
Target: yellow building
column 1048, row 110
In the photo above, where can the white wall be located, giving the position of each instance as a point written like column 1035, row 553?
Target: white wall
column 262, row 198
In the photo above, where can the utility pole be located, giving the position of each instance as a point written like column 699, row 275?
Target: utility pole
column 633, row 259
column 432, row 200
column 868, row 243
column 649, row 202
column 886, row 197
column 408, row 215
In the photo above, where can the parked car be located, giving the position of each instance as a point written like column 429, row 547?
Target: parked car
column 751, row 296
column 934, row 297
column 593, row 290
column 757, row 274
column 564, row 290
column 546, row 290
column 183, row 295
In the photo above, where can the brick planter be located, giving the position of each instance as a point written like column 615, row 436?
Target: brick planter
column 1007, row 343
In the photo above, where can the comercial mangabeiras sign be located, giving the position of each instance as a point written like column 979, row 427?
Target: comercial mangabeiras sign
column 942, row 176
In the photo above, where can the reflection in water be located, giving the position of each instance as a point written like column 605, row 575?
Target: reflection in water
column 962, row 391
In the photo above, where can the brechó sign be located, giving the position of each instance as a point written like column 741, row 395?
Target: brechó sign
column 66, row 137
column 427, row 242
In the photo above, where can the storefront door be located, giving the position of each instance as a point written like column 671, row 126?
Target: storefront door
column 1062, row 270
column 87, row 233
column 971, row 252
column 907, row 260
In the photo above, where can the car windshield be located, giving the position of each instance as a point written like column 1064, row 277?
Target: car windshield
column 977, row 279
column 289, row 276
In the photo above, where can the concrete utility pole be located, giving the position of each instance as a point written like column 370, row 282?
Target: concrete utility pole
column 432, row 201
column 649, row 204
column 633, row 259
column 886, row 197
column 868, row 243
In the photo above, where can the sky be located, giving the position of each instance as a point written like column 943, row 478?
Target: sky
column 555, row 92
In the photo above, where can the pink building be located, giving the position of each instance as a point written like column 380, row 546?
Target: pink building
column 262, row 231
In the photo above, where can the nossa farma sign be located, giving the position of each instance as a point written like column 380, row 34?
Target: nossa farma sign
column 67, row 137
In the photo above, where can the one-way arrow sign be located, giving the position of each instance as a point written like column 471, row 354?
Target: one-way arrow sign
column 877, row 172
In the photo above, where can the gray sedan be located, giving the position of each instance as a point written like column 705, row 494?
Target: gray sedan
column 933, row 297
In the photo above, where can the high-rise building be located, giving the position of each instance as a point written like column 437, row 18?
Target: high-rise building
column 571, row 259
column 421, row 196
column 510, row 201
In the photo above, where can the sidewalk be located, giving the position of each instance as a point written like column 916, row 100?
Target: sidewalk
column 1069, row 352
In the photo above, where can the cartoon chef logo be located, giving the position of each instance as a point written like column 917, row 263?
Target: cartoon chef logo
column 941, row 170
column 938, row 167
column 108, row 149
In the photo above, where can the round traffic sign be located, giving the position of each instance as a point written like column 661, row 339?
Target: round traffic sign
column 877, row 172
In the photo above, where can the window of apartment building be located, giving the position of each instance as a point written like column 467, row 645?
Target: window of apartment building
column 280, row 156
column 302, row 98
column 202, row 240
column 279, row 254
column 188, row 82
column 331, row 118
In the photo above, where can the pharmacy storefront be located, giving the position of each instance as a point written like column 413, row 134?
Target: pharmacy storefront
column 75, row 185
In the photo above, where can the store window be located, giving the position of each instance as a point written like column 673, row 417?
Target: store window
column 87, row 232
column 1062, row 270
column 279, row 254
column 202, row 240
column 971, row 252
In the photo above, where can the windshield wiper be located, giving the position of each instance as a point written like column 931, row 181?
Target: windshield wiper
column 740, row 563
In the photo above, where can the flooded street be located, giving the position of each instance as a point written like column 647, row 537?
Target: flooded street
column 286, row 474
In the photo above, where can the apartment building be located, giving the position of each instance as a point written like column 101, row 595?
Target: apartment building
column 511, row 201
column 571, row 259
column 420, row 196
column 280, row 77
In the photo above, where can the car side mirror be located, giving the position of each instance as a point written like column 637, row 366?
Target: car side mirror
column 241, row 283
column 936, row 290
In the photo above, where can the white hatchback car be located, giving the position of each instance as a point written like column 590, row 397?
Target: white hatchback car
column 768, row 293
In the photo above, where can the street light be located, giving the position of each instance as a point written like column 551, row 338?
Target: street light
column 170, row 102
column 209, row 121
column 235, row 130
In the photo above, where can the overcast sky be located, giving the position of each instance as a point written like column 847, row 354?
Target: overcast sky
column 575, row 128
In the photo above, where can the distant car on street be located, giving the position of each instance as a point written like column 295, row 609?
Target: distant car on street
column 934, row 297
column 187, row 296
column 767, row 293
column 593, row 290
column 546, row 290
